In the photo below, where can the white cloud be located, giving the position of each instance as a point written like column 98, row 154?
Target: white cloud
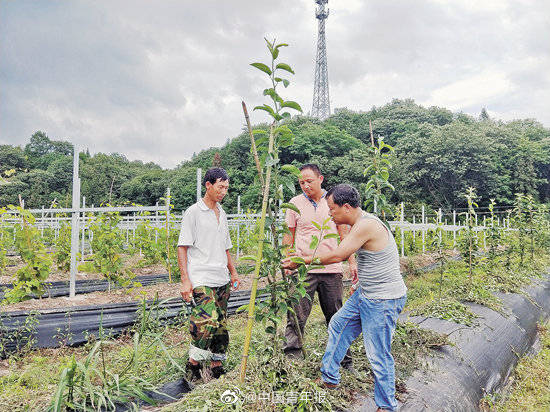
column 158, row 81
column 475, row 89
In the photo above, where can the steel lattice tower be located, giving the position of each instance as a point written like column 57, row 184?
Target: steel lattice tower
column 321, row 102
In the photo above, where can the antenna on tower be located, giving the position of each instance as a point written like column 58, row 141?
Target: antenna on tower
column 321, row 101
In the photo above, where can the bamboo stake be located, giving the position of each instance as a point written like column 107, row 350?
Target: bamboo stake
column 252, row 303
column 253, row 144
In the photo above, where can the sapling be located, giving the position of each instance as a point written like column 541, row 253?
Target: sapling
column 468, row 245
column 62, row 256
column 145, row 241
column 521, row 223
column 494, row 236
column 6, row 240
column 29, row 279
column 265, row 146
column 438, row 245
column 379, row 173
column 107, row 244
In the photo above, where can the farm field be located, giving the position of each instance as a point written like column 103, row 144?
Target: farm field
column 31, row 377
column 91, row 316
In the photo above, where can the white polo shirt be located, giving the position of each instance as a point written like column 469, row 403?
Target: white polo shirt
column 208, row 241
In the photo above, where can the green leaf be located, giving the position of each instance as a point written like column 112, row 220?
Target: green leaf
column 242, row 308
column 291, row 169
column 273, row 94
column 317, row 225
column 289, row 184
column 314, row 242
column 292, row 105
column 284, row 66
column 291, row 207
column 266, row 108
column 285, row 83
column 297, row 259
column 270, row 161
column 249, row 257
column 262, row 67
column 332, row 236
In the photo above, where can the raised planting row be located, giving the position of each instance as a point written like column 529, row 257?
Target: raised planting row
column 61, row 288
column 76, row 325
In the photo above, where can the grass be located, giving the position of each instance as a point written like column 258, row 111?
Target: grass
column 28, row 380
column 33, row 377
column 529, row 387
column 428, row 295
column 297, row 376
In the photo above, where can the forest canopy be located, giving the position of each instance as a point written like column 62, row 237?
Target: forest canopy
column 438, row 155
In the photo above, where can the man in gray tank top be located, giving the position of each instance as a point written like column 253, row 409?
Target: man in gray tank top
column 377, row 301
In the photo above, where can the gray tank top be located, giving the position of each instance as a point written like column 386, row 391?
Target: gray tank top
column 379, row 273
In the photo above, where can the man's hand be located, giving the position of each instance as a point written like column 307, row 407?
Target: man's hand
column 235, row 281
column 186, row 290
column 290, row 253
column 288, row 264
column 353, row 272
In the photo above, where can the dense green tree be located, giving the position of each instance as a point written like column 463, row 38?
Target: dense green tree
column 437, row 164
column 37, row 191
column 438, row 155
column 11, row 157
column 146, row 188
column 62, row 174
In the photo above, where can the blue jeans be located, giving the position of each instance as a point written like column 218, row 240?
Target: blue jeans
column 376, row 318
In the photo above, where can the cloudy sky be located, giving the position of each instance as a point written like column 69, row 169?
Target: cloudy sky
column 159, row 80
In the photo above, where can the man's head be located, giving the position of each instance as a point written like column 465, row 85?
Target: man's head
column 343, row 200
column 216, row 183
column 310, row 180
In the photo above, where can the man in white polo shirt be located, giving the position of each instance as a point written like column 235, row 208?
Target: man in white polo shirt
column 207, row 274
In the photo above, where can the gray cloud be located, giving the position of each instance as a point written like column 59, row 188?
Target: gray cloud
column 158, row 81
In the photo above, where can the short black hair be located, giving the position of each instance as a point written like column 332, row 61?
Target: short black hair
column 343, row 193
column 313, row 167
column 212, row 175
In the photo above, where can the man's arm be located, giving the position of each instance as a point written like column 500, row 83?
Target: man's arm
column 186, row 289
column 232, row 271
column 356, row 238
column 343, row 231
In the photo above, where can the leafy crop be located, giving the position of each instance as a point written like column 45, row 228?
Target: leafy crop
column 107, row 245
column 29, row 279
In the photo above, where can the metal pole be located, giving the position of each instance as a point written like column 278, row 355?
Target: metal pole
column 156, row 224
column 74, row 223
column 199, row 183
column 168, row 234
column 454, row 228
column 83, row 229
column 423, row 230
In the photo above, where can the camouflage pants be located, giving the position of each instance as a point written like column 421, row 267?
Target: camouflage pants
column 208, row 323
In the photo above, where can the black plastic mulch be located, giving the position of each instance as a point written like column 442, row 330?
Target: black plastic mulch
column 76, row 325
column 61, row 288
